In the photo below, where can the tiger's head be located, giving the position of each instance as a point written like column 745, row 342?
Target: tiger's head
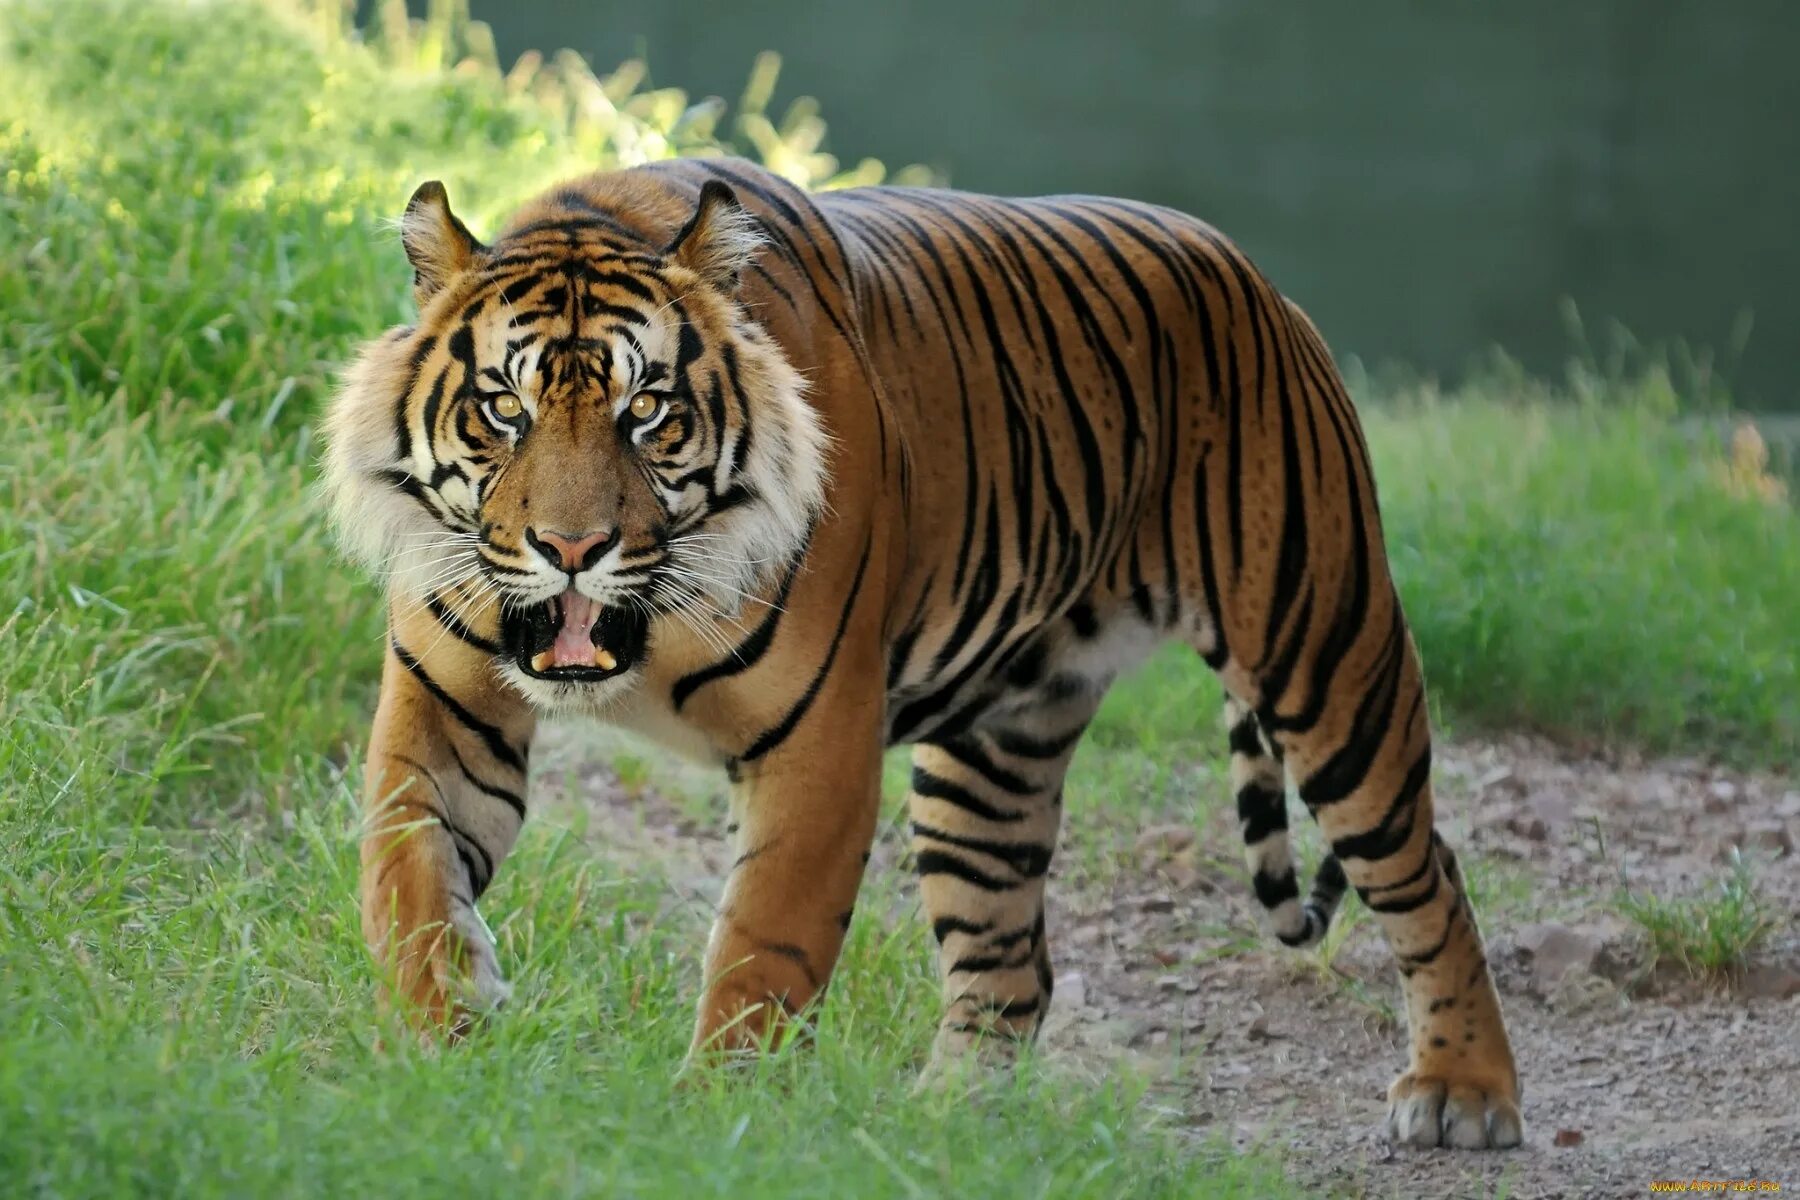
column 585, row 432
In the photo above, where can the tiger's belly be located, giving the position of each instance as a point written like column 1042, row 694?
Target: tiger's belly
column 1067, row 661
column 1071, row 659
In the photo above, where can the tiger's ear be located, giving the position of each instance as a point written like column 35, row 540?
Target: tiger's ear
column 438, row 245
column 720, row 239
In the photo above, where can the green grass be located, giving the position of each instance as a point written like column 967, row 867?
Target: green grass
column 1574, row 560
column 1712, row 934
column 194, row 206
column 192, row 1018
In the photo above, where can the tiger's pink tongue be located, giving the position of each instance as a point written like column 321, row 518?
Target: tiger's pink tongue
column 573, row 646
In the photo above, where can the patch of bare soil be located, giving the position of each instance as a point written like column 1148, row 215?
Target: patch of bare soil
column 1633, row 1071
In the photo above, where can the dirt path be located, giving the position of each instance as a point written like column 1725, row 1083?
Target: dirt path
column 1632, row 1074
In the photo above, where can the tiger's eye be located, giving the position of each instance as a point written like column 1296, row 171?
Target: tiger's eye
column 644, row 406
column 508, row 407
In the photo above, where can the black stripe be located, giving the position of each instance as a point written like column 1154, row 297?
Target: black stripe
column 496, row 741
column 1025, row 745
column 1406, row 904
column 1424, row 957
column 1012, row 1010
column 1243, row 737
column 1353, row 600
column 1262, row 811
column 460, row 841
column 969, row 753
column 980, row 964
column 1396, row 826
column 943, row 927
column 1272, row 891
column 403, row 481
column 510, row 798
column 1341, row 774
column 796, row 955
column 1330, row 881
column 1291, row 562
column 778, row 733
column 1429, row 860
column 936, row 787
column 1209, row 579
column 749, row 652
column 1027, row 858
column 936, row 862
column 451, row 620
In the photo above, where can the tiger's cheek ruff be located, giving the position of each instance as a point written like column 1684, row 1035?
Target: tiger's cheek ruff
column 386, row 518
column 768, row 480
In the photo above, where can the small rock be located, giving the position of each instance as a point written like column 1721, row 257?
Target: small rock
column 1071, row 992
column 1164, row 841
column 1500, row 779
column 1790, row 805
column 1568, row 1137
column 1554, row 807
column 1722, row 791
column 1771, row 836
column 1184, row 876
column 1771, row 981
column 1555, row 950
column 1761, row 837
column 1258, row 1030
column 1156, row 904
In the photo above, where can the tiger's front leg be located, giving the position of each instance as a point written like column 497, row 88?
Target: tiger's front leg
column 804, row 814
column 444, row 801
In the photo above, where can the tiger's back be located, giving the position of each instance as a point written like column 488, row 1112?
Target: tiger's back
column 1064, row 373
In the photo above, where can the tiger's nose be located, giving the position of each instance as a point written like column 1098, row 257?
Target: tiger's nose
column 573, row 552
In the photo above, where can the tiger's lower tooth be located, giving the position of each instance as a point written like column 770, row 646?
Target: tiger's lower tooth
column 603, row 659
column 541, row 662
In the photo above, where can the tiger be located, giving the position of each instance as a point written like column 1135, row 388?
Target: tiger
column 780, row 480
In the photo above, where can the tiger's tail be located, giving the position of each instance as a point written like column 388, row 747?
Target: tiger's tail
column 1258, row 782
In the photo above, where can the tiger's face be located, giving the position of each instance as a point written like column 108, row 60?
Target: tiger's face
column 585, row 434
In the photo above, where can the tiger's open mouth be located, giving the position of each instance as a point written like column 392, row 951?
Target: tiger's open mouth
column 572, row 639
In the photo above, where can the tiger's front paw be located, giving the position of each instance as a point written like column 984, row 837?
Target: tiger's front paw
column 447, row 980
column 965, row 1056
column 475, row 980
column 746, row 1013
column 1429, row 1111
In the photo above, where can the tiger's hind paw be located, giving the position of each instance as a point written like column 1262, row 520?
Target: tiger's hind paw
column 1427, row 1111
column 964, row 1059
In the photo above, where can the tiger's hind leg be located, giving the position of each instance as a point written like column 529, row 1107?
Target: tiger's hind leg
column 986, row 806
column 1259, row 784
column 1365, row 770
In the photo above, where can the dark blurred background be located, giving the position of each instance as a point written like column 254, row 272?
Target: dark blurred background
column 1429, row 179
